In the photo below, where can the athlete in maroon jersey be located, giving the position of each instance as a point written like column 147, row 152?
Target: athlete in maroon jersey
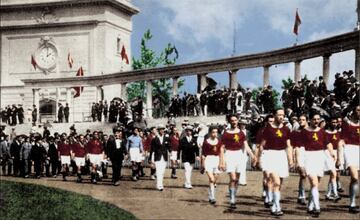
column 350, row 144
column 333, row 136
column 78, row 153
column 267, row 184
column 296, row 142
column 147, row 146
column 233, row 141
column 277, row 156
column 210, row 160
column 174, row 144
column 96, row 154
column 64, row 155
column 315, row 142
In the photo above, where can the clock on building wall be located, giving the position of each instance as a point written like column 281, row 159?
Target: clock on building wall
column 46, row 56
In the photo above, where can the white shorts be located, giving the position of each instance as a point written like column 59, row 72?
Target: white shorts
column 352, row 155
column 235, row 161
column 173, row 155
column 65, row 160
column 211, row 164
column 315, row 163
column 135, row 155
column 301, row 158
column 329, row 161
column 80, row 161
column 95, row 159
column 275, row 161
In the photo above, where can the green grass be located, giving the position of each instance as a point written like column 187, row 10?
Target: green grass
column 29, row 201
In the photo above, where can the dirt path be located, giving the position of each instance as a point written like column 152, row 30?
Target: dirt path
column 175, row 202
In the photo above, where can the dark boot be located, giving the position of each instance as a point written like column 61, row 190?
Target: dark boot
column 173, row 173
column 79, row 179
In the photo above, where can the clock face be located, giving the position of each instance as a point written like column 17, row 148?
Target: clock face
column 46, row 57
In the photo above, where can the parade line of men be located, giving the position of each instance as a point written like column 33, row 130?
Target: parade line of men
column 312, row 148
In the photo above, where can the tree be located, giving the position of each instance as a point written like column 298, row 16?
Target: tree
column 149, row 59
column 275, row 97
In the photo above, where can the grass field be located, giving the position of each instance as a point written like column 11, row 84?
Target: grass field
column 29, row 201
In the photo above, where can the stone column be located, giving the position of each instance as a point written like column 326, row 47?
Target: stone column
column 201, row 82
column 297, row 75
column 232, row 79
column 175, row 86
column 326, row 68
column 266, row 79
column 36, row 101
column 149, row 101
column 69, row 102
column 123, row 94
column 357, row 64
column 98, row 93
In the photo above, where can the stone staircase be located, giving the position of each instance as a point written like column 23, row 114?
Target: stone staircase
column 107, row 127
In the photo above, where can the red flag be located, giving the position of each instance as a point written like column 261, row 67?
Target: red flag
column 70, row 60
column 33, row 62
column 78, row 90
column 297, row 23
column 124, row 55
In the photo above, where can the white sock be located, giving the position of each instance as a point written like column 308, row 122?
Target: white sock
column 269, row 196
column 329, row 190
column 273, row 207
column 334, row 188
column 315, row 197
column 212, row 191
column 354, row 187
column 232, row 195
column 277, row 196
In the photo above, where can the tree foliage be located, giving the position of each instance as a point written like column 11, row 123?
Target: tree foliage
column 150, row 59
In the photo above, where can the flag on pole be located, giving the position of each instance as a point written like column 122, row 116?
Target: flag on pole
column 297, row 23
column 78, row 90
column 33, row 62
column 70, row 60
column 124, row 55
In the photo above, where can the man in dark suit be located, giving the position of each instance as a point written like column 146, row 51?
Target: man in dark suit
column 160, row 146
column 188, row 149
column 15, row 155
column 60, row 113
column 116, row 151
column 67, row 113
column 20, row 114
column 34, row 115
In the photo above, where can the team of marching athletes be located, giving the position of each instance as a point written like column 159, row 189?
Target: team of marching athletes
column 311, row 149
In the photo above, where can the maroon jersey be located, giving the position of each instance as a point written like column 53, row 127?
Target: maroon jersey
column 147, row 142
column 295, row 139
column 258, row 137
column 233, row 141
column 333, row 138
column 275, row 137
column 174, row 142
column 63, row 149
column 209, row 149
column 313, row 140
column 78, row 150
column 94, row 147
column 350, row 134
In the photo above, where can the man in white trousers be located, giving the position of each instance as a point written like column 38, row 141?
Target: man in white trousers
column 160, row 147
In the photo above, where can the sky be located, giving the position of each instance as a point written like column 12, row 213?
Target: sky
column 204, row 30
